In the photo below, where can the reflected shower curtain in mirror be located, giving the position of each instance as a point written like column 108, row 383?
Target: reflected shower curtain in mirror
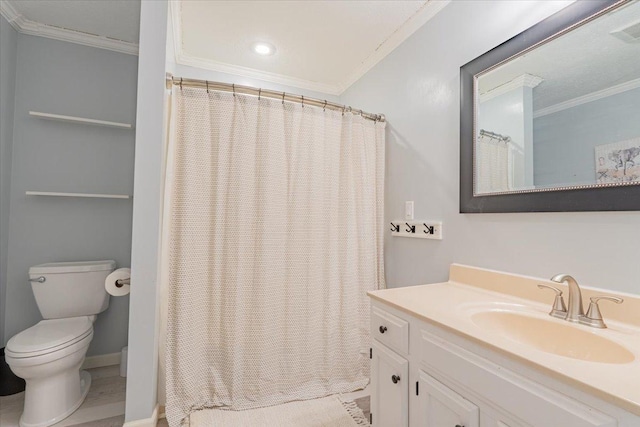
column 493, row 158
column 274, row 236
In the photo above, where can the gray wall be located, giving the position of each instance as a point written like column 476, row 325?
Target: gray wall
column 8, row 51
column 70, row 79
column 417, row 87
column 564, row 142
column 142, row 380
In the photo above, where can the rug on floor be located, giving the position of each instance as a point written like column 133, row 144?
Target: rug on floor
column 324, row 412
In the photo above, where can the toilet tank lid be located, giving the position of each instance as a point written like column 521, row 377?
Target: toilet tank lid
column 72, row 267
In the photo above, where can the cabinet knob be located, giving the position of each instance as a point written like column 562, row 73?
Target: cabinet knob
column 395, row 379
column 382, row 329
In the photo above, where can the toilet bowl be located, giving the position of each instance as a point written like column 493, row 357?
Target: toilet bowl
column 48, row 355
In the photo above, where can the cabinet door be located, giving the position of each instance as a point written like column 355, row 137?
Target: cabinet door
column 389, row 388
column 439, row 406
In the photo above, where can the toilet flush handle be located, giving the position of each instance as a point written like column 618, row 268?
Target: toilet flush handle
column 40, row 279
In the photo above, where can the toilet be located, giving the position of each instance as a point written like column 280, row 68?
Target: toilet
column 49, row 354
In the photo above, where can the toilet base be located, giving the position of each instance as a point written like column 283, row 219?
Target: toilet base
column 85, row 384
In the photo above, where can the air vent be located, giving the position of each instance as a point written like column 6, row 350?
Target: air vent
column 629, row 34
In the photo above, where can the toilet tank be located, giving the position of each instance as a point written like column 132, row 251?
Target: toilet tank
column 71, row 289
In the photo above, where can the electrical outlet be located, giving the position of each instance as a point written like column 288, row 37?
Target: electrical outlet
column 417, row 229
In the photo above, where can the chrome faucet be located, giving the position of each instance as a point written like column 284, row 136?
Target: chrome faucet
column 575, row 311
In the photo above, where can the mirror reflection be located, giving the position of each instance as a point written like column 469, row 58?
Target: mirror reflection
column 564, row 114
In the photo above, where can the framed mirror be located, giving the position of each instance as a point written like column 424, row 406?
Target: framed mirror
column 550, row 119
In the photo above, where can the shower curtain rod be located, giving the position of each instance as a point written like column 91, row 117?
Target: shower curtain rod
column 494, row 135
column 248, row 90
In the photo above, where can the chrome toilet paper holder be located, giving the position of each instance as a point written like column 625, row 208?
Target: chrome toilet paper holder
column 121, row 282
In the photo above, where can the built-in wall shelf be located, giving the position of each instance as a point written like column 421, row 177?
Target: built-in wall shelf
column 89, row 195
column 82, row 120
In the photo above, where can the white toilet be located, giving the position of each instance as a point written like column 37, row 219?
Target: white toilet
column 49, row 355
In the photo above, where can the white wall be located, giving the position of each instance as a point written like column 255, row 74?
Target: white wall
column 8, row 55
column 417, row 88
column 71, row 79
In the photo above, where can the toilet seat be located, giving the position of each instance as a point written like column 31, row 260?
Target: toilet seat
column 49, row 336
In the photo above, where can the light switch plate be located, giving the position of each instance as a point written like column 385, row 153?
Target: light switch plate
column 408, row 210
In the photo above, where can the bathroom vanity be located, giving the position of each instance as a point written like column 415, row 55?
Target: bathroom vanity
column 482, row 351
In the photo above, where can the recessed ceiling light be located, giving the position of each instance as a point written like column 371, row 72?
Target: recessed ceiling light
column 263, row 48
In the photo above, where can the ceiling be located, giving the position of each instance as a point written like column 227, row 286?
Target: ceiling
column 581, row 62
column 116, row 19
column 320, row 45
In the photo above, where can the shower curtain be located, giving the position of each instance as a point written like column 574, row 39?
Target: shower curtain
column 492, row 165
column 274, row 216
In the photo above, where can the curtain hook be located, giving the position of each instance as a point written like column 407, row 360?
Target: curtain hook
column 180, row 83
column 324, row 107
column 259, row 93
column 343, row 107
column 282, row 98
column 233, row 86
column 302, row 100
column 207, row 82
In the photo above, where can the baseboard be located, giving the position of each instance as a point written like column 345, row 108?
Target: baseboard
column 146, row 422
column 101, row 360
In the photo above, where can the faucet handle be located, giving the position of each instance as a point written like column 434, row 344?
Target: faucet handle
column 558, row 310
column 594, row 317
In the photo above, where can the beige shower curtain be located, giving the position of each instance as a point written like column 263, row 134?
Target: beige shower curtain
column 274, row 237
column 493, row 167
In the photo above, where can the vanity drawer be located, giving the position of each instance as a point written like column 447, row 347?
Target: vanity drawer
column 390, row 330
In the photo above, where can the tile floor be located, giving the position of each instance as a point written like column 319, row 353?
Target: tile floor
column 104, row 405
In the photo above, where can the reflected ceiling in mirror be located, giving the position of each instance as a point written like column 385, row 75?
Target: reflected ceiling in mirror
column 564, row 113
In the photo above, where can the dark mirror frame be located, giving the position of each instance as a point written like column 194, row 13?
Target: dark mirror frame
column 614, row 198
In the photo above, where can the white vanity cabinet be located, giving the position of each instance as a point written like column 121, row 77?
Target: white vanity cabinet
column 446, row 380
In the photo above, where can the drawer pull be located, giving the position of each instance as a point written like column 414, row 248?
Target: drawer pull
column 458, row 425
column 395, row 379
column 382, row 329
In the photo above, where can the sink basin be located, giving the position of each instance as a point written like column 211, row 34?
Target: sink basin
column 553, row 337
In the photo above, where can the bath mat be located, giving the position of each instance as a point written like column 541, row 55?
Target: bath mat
column 325, row 412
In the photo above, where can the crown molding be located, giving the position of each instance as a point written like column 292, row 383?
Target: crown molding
column 524, row 80
column 428, row 11
column 590, row 97
column 208, row 64
column 33, row 28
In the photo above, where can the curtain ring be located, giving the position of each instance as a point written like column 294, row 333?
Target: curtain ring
column 324, row 107
column 180, row 83
column 259, row 93
column 282, row 98
column 302, row 100
column 207, row 82
column 233, row 86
